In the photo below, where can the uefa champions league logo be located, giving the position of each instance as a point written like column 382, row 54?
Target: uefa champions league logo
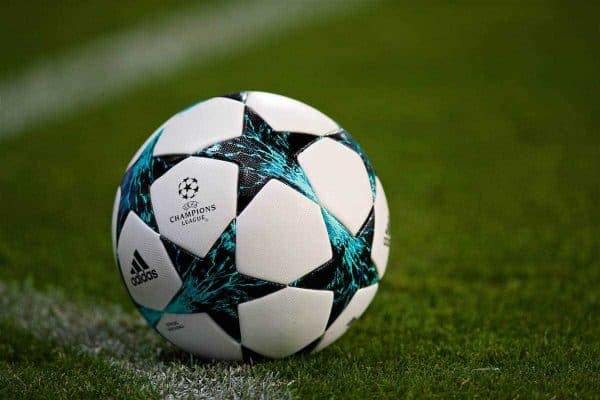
column 188, row 188
column 193, row 210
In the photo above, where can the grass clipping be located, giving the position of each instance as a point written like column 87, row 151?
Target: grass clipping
column 125, row 341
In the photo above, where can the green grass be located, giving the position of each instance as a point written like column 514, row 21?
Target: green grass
column 55, row 348
column 31, row 31
column 482, row 122
column 40, row 369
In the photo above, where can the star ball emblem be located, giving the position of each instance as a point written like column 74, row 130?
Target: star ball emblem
column 188, row 188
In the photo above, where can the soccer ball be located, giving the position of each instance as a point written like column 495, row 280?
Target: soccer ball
column 250, row 226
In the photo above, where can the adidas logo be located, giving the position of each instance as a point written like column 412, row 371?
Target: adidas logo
column 141, row 271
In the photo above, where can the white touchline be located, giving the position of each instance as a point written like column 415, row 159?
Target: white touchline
column 124, row 340
column 117, row 63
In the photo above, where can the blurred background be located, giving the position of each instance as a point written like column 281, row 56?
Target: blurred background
column 481, row 118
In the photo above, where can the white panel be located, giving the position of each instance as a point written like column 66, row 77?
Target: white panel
column 284, row 322
column 281, row 235
column 285, row 114
column 340, row 180
column 202, row 125
column 196, row 217
column 382, row 236
column 115, row 215
column 151, row 279
column 357, row 306
column 138, row 153
column 199, row 334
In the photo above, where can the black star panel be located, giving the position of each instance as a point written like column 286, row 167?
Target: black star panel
column 349, row 269
column 213, row 285
column 263, row 154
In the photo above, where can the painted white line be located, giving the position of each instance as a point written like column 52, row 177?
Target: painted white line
column 125, row 341
column 120, row 62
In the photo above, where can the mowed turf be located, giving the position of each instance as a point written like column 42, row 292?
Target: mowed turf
column 31, row 31
column 483, row 123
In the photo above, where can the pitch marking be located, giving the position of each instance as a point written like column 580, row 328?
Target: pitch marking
column 121, row 339
column 117, row 63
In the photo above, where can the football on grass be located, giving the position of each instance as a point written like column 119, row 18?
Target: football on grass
column 250, row 226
